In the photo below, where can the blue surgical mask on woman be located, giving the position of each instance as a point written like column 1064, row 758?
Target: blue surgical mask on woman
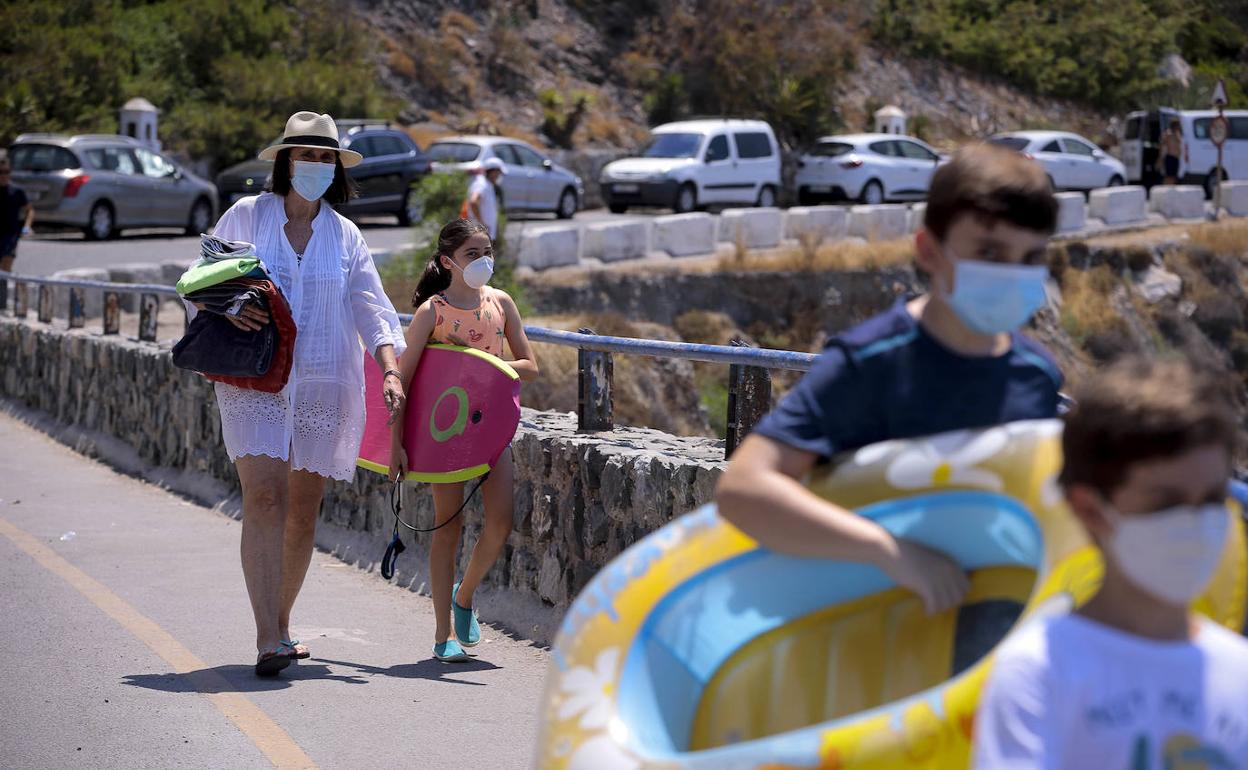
column 312, row 179
column 992, row 298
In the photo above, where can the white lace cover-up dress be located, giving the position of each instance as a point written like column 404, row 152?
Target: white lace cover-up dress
column 336, row 298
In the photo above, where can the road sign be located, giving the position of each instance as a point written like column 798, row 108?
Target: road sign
column 1219, row 94
column 1219, row 129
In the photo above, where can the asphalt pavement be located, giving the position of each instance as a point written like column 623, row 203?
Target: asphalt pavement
column 128, row 644
column 45, row 253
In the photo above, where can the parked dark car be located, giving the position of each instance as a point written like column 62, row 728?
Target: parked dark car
column 392, row 165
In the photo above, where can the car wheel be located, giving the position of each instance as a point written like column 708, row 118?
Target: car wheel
column 413, row 208
column 872, row 193
column 101, row 225
column 805, row 197
column 1115, row 181
column 200, row 218
column 766, row 197
column 686, row 199
column 567, row 204
column 617, row 208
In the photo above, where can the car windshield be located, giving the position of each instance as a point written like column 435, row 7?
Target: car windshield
column 672, row 146
column 830, row 149
column 453, row 152
column 1011, row 142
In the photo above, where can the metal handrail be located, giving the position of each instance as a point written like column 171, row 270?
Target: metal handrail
column 765, row 358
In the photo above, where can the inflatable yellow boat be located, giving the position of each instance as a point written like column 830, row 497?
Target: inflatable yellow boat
column 697, row 649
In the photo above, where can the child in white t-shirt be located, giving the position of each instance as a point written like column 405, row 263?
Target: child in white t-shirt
column 1133, row 680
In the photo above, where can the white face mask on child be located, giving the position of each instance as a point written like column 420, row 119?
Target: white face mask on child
column 1170, row 554
column 478, row 272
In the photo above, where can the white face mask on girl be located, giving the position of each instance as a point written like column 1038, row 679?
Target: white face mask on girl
column 1171, row 554
column 478, row 272
column 312, row 179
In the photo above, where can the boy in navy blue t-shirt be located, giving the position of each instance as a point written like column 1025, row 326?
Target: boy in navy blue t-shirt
column 949, row 359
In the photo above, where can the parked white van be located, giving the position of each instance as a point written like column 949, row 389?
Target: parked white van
column 1141, row 137
column 697, row 163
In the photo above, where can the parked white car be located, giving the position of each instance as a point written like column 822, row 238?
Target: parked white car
column 531, row 182
column 697, row 163
column 1141, row 136
column 871, row 168
column 1072, row 162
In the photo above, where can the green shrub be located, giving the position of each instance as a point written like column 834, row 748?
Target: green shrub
column 561, row 119
column 441, row 196
column 1102, row 53
column 224, row 73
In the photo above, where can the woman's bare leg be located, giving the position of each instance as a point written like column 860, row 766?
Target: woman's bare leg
column 306, row 491
column 264, row 483
column 442, row 550
column 499, row 498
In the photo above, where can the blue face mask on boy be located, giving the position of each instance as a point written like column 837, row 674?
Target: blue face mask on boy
column 992, row 298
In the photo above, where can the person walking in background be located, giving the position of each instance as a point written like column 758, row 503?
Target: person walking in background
column 483, row 195
column 455, row 306
column 16, row 216
column 1170, row 152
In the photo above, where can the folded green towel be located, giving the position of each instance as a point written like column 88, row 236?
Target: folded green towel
column 202, row 275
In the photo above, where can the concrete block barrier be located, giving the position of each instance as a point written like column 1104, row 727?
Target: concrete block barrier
column 685, row 235
column 829, row 223
column 757, row 228
column 1178, row 201
column 93, row 299
column 1235, row 198
column 880, row 223
column 917, row 212
column 135, row 272
column 616, row 241
column 172, row 270
column 1072, row 212
column 545, row 247
column 1119, row 205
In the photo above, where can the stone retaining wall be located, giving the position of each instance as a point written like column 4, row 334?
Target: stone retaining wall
column 580, row 499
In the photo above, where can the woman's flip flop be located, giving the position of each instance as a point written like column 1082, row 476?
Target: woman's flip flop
column 269, row 663
column 295, row 650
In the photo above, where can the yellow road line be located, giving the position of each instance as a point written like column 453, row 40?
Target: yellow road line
column 274, row 742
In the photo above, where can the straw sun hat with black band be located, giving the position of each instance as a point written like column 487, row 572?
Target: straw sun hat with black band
column 318, row 132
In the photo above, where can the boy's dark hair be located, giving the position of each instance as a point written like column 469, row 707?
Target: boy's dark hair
column 341, row 190
column 437, row 278
column 992, row 183
column 1140, row 409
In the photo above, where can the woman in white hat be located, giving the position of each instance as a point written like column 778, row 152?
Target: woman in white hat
column 285, row 445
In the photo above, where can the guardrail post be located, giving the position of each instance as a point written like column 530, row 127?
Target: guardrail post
column 149, row 310
column 112, row 312
column 44, row 312
column 77, row 307
column 594, row 375
column 749, row 400
column 19, row 300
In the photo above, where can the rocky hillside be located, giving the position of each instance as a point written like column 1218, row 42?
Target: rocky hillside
column 520, row 68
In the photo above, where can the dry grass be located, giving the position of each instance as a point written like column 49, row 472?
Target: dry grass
column 425, row 136
column 811, row 255
column 1227, row 238
column 1088, row 314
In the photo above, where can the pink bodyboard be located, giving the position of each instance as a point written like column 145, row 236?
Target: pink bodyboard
column 463, row 408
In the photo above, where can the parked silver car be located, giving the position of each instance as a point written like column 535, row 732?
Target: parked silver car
column 533, row 182
column 103, row 184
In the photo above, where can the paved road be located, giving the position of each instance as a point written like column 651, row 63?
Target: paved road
column 46, row 253
column 126, row 644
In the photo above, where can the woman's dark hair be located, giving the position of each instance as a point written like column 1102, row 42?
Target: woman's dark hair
column 341, row 190
column 437, row 278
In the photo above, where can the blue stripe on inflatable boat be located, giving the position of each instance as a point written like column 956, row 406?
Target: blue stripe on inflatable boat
column 697, row 627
